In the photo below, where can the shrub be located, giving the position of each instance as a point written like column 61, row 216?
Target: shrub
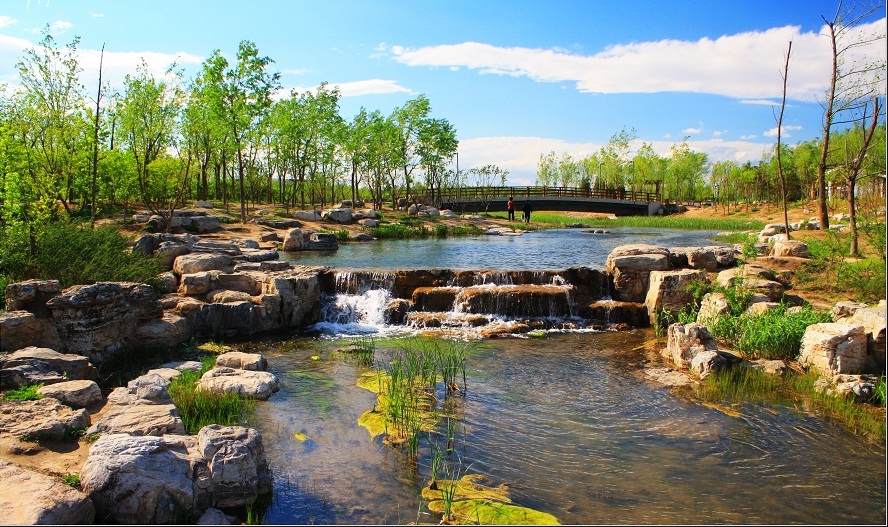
column 25, row 393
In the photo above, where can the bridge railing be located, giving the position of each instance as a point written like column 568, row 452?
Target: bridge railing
column 519, row 193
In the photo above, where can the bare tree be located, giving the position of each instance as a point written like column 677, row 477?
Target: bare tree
column 851, row 84
column 784, row 75
column 855, row 162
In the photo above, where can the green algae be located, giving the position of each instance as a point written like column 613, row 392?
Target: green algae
column 468, row 487
column 484, row 512
column 374, row 422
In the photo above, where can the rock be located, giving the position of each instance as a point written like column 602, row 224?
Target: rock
column 707, row 362
column 237, row 464
column 214, row 246
column 447, row 213
column 127, row 414
column 307, row 215
column 202, row 204
column 832, row 348
column 242, row 361
column 254, row 384
column 771, row 367
column 48, row 502
column 269, row 237
column 167, row 374
column 98, row 320
column 148, row 388
column 760, row 308
column 32, row 365
column 361, row 237
column 188, row 365
column 396, row 311
column 687, row 340
column 257, row 255
column 631, row 266
column 76, row 394
column 168, row 331
column 134, row 479
column 168, row 252
column 792, row 248
column 873, row 319
column 196, row 263
column 323, row 241
column 861, row 387
column 214, row 516
column 223, row 296
column 20, row 329
column 668, row 291
column 845, row 309
column 32, row 295
column 45, row 418
column 342, row 216
column 667, row 376
column 713, row 306
column 169, row 282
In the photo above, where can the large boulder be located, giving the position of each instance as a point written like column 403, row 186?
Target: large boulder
column 791, row 248
column 684, row 341
column 236, row 460
column 294, row 240
column 100, row 319
column 32, row 295
column 142, row 408
column 198, row 262
column 307, row 215
column 713, row 306
column 832, row 348
column 242, row 361
column 253, row 384
column 873, row 319
column 76, row 394
column 166, row 332
column 140, row 479
column 168, row 252
column 668, row 291
column 203, row 224
column 44, row 418
column 20, row 329
column 32, row 365
column 341, row 215
column 47, row 501
column 631, row 266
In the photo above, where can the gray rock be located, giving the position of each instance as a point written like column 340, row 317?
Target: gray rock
column 32, row 295
column 668, row 291
column 707, row 362
column 631, row 266
column 49, row 501
column 76, row 394
column 237, row 464
column 45, row 418
column 792, row 248
column 832, row 348
column 342, row 216
column 667, row 376
column 307, row 215
column 242, row 361
column 127, row 414
column 32, row 365
column 196, row 263
column 713, row 306
column 214, row 516
column 134, row 479
column 687, row 340
column 21, row 329
column 202, row 204
column 254, row 384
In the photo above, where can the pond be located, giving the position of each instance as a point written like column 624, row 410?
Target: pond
column 544, row 250
column 564, row 418
column 568, row 422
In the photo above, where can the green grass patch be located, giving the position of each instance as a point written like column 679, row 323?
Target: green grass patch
column 559, row 219
column 776, row 334
column 199, row 408
column 25, row 393
column 72, row 480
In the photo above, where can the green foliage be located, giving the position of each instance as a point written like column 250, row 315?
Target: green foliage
column 199, row 408
column 74, row 434
column 776, row 334
column 25, row 393
column 829, row 272
column 72, row 255
column 880, row 394
column 875, row 234
column 72, row 480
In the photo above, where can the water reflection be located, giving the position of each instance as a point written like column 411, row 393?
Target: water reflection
column 576, row 432
column 550, row 249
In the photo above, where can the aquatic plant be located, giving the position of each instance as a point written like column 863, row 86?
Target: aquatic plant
column 199, row 408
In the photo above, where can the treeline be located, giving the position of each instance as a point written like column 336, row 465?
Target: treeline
column 688, row 176
column 225, row 135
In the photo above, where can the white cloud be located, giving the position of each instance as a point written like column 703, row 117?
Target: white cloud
column 745, row 65
column 353, row 89
column 6, row 21
column 59, row 27
column 786, row 128
column 98, row 15
column 764, row 102
column 691, row 131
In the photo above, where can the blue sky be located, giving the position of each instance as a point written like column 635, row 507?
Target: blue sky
column 516, row 78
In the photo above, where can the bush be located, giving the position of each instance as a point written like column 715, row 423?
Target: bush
column 25, row 393
column 72, row 255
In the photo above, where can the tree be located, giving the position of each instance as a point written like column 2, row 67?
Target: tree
column 149, row 121
column 242, row 97
column 487, row 178
column 851, row 81
column 784, row 76
column 437, row 145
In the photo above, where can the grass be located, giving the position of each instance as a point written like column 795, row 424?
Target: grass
column 199, row 408
column 647, row 222
column 796, row 391
column 72, row 480
column 25, row 393
column 407, row 229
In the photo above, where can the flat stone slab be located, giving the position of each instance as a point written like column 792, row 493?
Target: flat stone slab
column 44, row 418
column 76, row 394
column 254, row 384
column 49, row 501
column 667, row 376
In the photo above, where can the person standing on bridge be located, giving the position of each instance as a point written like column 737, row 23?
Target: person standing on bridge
column 527, row 209
column 510, row 206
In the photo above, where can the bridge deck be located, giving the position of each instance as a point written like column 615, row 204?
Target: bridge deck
column 569, row 199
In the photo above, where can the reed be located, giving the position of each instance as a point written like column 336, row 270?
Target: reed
column 796, row 391
column 776, row 334
column 199, row 408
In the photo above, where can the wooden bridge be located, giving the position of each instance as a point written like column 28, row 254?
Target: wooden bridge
column 568, row 199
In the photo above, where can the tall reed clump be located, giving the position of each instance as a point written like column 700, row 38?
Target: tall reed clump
column 415, row 379
column 362, row 349
column 199, row 408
